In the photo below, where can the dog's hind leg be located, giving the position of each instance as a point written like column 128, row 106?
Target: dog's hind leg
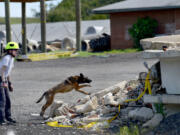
column 48, row 103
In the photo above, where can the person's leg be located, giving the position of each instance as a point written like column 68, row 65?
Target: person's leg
column 8, row 104
column 8, row 107
column 2, row 105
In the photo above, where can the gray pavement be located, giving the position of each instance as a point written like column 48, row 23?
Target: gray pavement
column 32, row 79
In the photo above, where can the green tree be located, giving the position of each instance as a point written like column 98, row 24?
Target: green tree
column 65, row 11
column 144, row 28
column 35, row 13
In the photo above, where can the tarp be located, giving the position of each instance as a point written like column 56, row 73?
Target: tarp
column 58, row 30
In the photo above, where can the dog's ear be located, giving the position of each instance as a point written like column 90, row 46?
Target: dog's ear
column 81, row 75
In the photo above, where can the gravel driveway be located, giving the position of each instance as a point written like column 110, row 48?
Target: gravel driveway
column 32, row 79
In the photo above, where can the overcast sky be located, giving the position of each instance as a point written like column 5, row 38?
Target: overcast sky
column 15, row 8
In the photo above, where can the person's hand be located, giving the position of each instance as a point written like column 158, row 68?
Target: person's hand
column 10, row 87
column 4, row 84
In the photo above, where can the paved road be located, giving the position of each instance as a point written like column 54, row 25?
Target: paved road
column 32, row 79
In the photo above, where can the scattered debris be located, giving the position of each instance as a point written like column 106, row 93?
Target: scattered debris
column 156, row 43
column 54, row 106
column 154, row 122
column 112, row 106
column 101, row 110
column 88, row 106
column 51, row 48
column 142, row 114
column 56, row 44
column 109, row 100
column 33, row 44
column 69, row 44
column 169, row 126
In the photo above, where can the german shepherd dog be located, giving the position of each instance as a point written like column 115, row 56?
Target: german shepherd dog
column 68, row 85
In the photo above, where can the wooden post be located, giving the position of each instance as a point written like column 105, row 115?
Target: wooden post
column 78, row 25
column 24, row 46
column 43, row 26
column 7, row 16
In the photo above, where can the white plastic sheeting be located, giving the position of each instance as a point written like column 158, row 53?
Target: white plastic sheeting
column 57, row 30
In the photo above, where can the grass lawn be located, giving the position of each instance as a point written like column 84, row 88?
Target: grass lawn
column 87, row 54
column 18, row 20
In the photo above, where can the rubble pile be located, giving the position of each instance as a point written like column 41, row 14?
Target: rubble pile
column 34, row 46
column 108, row 109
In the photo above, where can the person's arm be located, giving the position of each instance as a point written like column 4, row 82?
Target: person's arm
column 9, row 84
column 3, row 70
column 8, row 79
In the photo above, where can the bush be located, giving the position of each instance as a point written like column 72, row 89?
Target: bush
column 143, row 28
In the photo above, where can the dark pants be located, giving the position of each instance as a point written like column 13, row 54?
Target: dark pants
column 5, row 104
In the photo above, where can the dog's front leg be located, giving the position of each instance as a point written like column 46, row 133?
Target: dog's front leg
column 84, row 85
column 82, row 91
column 77, row 87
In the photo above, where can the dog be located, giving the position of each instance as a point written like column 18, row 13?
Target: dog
column 72, row 82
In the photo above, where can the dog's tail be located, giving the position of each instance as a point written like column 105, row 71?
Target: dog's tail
column 39, row 100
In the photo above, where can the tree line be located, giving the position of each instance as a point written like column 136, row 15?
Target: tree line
column 65, row 10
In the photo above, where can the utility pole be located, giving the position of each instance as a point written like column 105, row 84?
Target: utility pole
column 8, row 27
column 78, row 25
column 24, row 46
column 43, row 25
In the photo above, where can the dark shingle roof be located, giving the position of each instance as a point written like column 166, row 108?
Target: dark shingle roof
column 138, row 5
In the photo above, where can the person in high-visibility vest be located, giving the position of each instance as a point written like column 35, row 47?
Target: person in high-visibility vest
column 6, row 65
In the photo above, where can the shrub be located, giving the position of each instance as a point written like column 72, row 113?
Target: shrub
column 143, row 28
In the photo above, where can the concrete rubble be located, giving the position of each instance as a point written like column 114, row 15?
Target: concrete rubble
column 142, row 114
column 102, row 106
column 156, row 43
column 154, row 122
column 165, row 95
column 34, row 46
column 88, row 106
column 54, row 107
